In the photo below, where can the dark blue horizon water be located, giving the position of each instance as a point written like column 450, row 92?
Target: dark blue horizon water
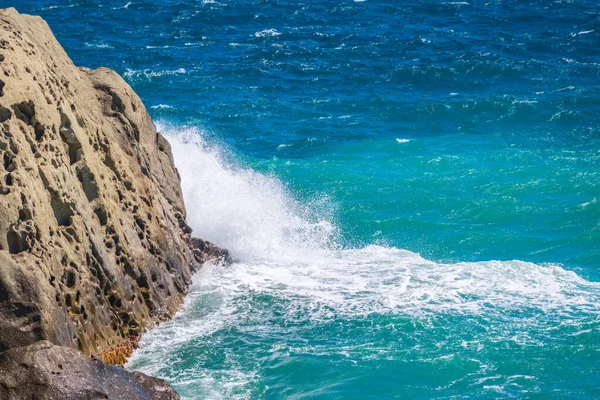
column 316, row 139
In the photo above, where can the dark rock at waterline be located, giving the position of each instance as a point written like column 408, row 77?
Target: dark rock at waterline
column 205, row 251
column 45, row 371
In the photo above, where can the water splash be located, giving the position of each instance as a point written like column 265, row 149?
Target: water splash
column 294, row 298
column 288, row 249
column 251, row 214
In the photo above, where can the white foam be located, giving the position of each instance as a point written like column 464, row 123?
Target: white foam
column 380, row 280
column 267, row 33
column 126, row 6
column 98, row 45
column 286, row 248
column 148, row 74
column 582, row 33
column 162, row 107
column 251, row 214
column 402, row 140
column 587, row 203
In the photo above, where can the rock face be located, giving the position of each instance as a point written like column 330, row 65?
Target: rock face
column 94, row 247
column 93, row 243
column 45, row 371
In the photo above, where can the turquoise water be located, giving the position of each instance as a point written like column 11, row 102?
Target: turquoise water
column 409, row 189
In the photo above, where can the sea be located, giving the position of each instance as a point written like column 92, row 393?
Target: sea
column 410, row 191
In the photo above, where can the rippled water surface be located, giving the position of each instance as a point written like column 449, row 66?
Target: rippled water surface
column 409, row 189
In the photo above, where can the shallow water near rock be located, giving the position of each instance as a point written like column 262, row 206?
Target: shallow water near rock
column 409, row 191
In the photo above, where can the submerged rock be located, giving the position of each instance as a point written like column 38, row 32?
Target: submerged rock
column 45, row 371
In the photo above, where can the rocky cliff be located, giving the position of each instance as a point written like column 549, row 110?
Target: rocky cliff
column 93, row 242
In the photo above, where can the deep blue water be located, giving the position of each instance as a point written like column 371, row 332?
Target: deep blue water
column 410, row 190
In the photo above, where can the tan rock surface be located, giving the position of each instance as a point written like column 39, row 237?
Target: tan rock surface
column 93, row 243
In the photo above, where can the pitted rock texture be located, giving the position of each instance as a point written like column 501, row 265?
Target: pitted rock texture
column 93, row 241
column 44, row 371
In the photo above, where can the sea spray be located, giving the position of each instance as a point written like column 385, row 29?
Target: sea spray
column 294, row 299
column 251, row 214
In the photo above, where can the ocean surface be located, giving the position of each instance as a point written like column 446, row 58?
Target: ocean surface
column 410, row 191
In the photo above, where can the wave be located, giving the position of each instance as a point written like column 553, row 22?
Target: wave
column 288, row 248
column 292, row 286
column 149, row 74
column 98, row 45
column 162, row 107
column 267, row 33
